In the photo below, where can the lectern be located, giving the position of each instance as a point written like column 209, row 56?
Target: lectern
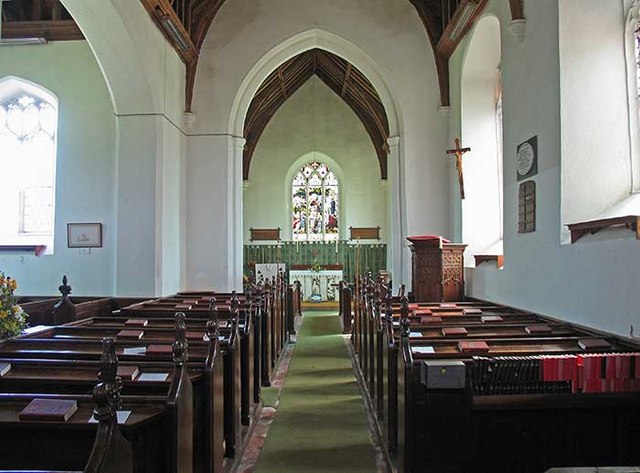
column 437, row 269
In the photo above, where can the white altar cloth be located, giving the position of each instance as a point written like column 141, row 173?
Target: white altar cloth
column 317, row 286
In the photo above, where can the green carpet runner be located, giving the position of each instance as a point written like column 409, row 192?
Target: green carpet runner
column 320, row 424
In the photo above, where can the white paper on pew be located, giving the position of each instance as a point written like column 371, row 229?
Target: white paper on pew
column 122, row 417
column 153, row 377
column 134, row 351
column 422, row 350
column 396, row 323
column 415, row 334
column 37, row 328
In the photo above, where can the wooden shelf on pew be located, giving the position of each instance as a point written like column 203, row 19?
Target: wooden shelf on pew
column 579, row 229
column 505, row 402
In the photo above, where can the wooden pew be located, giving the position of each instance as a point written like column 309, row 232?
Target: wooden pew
column 153, row 427
column 457, row 430
column 111, row 452
column 206, row 427
column 231, row 352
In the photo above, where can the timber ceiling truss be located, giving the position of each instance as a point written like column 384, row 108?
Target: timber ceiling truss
column 340, row 76
column 185, row 24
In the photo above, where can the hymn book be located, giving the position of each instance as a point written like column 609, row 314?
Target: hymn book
column 137, row 322
column 537, row 329
column 4, row 368
column 193, row 335
column 454, row 332
column 56, row 410
column 473, row 347
column 430, row 320
column 594, row 344
column 491, row 318
column 153, row 377
column 121, row 415
column 128, row 372
column 159, row 349
column 135, row 334
column 471, row 311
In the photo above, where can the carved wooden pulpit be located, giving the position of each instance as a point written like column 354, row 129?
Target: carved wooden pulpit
column 437, row 269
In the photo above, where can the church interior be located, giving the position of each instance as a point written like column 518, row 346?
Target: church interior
column 319, row 236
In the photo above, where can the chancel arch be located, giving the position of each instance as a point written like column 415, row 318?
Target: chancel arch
column 482, row 212
column 397, row 257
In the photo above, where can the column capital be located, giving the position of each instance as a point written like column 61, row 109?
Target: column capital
column 393, row 142
column 239, row 142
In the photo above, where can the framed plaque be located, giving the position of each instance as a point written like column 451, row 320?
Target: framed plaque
column 527, row 159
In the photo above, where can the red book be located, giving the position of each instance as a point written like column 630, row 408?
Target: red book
column 594, row 344
column 430, row 320
column 414, row 307
column 137, row 322
column 128, row 372
column 183, row 306
column 478, row 347
column 57, row 410
column 537, row 329
column 136, row 334
column 193, row 335
column 159, row 349
column 448, row 305
column 422, row 311
column 471, row 311
column 454, row 332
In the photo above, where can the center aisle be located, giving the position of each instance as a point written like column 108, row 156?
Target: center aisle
column 320, row 424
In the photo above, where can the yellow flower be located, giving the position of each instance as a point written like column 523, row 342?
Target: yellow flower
column 3, row 314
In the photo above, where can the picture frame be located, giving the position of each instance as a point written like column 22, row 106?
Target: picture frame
column 84, row 235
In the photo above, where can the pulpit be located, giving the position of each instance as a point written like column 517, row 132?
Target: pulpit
column 437, row 269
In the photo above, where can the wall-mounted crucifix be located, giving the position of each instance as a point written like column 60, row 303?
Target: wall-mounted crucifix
column 459, row 151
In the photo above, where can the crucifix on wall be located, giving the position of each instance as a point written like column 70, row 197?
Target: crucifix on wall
column 459, row 151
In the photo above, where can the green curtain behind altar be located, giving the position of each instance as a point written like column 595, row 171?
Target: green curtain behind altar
column 371, row 257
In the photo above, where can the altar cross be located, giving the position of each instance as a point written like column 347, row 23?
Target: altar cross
column 459, row 151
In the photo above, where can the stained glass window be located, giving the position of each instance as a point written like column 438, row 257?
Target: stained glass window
column 315, row 203
column 28, row 127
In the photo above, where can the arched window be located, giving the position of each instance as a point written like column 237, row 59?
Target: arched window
column 28, row 125
column 632, row 46
column 315, row 203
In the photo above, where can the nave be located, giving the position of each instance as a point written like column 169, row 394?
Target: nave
column 320, row 424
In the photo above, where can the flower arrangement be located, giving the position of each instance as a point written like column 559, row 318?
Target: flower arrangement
column 12, row 318
column 315, row 267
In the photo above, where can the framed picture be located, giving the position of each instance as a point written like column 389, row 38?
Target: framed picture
column 84, row 235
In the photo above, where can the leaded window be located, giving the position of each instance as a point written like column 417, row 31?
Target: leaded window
column 28, row 127
column 315, row 203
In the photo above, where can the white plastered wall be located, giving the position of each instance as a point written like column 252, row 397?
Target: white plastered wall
column 247, row 40
column 146, row 81
column 591, row 282
column 85, row 167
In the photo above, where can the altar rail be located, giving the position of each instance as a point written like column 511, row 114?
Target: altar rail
column 372, row 257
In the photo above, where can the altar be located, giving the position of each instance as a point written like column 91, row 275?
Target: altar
column 317, row 286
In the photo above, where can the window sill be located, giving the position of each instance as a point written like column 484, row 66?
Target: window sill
column 497, row 259
column 38, row 250
column 580, row 229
